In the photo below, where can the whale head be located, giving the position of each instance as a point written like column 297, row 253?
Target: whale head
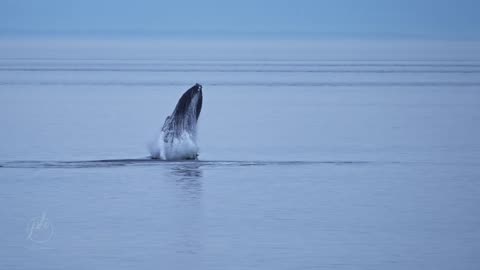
column 177, row 139
column 185, row 115
column 190, row 104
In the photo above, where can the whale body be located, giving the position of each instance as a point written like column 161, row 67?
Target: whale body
column 178, row 137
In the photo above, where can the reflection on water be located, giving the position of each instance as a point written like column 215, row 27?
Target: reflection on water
column 188, row 170
column 187, row 177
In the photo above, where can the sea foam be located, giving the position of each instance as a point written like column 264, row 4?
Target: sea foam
column 182, row 147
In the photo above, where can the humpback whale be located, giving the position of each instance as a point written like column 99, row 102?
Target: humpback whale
column 178, row 137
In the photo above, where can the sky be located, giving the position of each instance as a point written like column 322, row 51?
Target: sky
column 421, row 19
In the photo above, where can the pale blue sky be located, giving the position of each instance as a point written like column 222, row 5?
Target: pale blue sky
column 422, row 19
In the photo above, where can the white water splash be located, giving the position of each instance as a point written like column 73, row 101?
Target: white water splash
column 182, row 147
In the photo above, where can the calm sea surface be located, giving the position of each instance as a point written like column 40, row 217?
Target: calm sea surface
column 307, row 160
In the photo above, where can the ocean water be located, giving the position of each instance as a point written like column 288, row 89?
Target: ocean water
column 336, row 155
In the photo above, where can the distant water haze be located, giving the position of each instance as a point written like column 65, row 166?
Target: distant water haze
column 238, row 49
